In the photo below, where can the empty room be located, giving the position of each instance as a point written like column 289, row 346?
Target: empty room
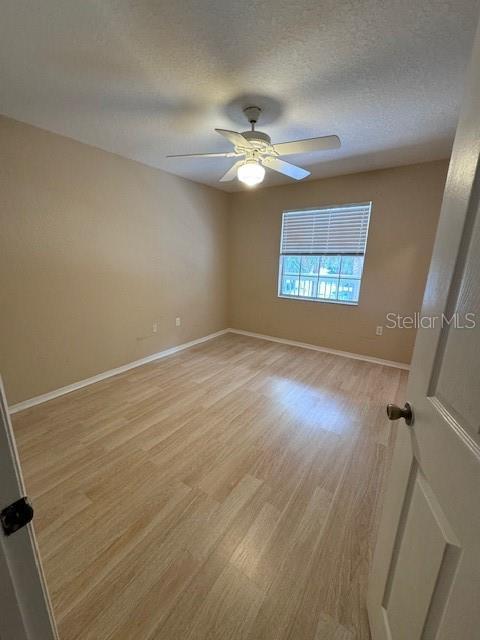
column 239, row 326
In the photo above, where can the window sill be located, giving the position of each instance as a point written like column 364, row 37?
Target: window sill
column 343, row 302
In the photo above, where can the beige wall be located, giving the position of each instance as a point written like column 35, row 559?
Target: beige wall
column 94, row 249
column 406, row 205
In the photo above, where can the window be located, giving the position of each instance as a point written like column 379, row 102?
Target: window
column 322, row 252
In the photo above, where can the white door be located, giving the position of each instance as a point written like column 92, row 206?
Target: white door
column 25, row 610
column 425, row 580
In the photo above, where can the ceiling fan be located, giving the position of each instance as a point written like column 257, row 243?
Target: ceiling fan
column 256, row 151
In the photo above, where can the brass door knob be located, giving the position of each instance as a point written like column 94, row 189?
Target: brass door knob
column 395, row 413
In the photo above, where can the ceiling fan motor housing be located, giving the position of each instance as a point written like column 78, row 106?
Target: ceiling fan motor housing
column 257, row 137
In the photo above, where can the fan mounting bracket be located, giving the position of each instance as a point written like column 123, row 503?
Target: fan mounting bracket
column 252, row 114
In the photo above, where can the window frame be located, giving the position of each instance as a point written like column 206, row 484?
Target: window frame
column 281, row 256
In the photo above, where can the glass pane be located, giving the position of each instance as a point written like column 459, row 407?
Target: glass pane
column 352, row 266
column 348, row 290
column 327, row 288
column 308, row 286
column 291, row 265
column 290, row 286
column 310, row 265
column 330, row 265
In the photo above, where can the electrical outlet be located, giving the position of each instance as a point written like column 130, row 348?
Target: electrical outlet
column 155, row 327
column 178, row 322
column 379, row 330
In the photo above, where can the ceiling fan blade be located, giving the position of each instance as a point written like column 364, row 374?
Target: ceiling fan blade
column 231, row 173
column 235, row 138
column 228, row 154
column 286, row 168
column 307, row 146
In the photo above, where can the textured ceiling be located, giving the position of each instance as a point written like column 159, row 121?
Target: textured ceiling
column 145, row 78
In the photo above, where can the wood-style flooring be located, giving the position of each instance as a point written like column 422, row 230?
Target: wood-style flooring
column 230, row 491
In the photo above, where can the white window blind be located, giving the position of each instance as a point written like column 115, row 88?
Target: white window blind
column 333, row 230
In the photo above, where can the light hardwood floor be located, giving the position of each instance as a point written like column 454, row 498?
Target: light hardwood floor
column 231, row 491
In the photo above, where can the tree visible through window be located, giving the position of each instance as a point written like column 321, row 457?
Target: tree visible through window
column 322, row 253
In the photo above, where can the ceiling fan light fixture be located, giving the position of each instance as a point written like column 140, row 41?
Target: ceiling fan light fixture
column 251, row 173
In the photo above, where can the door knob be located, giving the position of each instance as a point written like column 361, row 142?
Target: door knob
column 394, row 413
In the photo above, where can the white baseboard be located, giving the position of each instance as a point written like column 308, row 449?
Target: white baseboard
column 313, row 347
column 31, row 402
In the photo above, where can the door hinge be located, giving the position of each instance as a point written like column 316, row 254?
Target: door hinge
column 16, row 515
